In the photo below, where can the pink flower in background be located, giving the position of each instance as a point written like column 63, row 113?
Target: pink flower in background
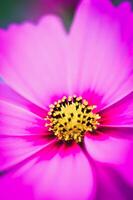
column 72, row 150
column 51, row 5
column 63, row 8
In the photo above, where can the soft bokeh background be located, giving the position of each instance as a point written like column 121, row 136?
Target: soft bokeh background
column 21, row 10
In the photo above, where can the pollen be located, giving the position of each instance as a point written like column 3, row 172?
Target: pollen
column 71, row 117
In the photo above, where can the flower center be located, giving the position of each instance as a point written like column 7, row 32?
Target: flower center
column 70, row 118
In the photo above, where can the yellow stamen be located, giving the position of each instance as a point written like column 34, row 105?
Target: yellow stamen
column 70, row 118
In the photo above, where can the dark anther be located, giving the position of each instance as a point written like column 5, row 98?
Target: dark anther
column 59, row 109
column 80, row 101
column 78, row 121
column 72, row 114
column 70, row 102
column 55, row 108
column 69, row 119
column 88, row 110
column 74, row 99
column 89, row 118
column 77, row 107
column 84, row 116
column 63, row 115
column 64, row 103
column 58, row 116
column 79, row 115
column 64, row 129
column 83, row 122
column 55, row 123
column 88, row 124
column 65, row 123
column 82, row 110
column 60, row 125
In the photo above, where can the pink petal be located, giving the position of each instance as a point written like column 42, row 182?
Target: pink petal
column 10, row 96
column 119, row 114
column 117, row 132
column 33, row 61
column 19, row 117
column 67, row 175
column 14, row 188
column 16, row 150
column 126, row 17
column 12, row 182
column 100, row 60
column 108, row 149
column 110, row 184
column 126, row 170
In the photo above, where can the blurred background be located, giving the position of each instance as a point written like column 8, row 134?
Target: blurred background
column 21, row 10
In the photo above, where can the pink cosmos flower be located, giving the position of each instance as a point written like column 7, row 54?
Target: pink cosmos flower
column 72, row 150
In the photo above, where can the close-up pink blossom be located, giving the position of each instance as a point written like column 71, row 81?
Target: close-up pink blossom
column 66, row 106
